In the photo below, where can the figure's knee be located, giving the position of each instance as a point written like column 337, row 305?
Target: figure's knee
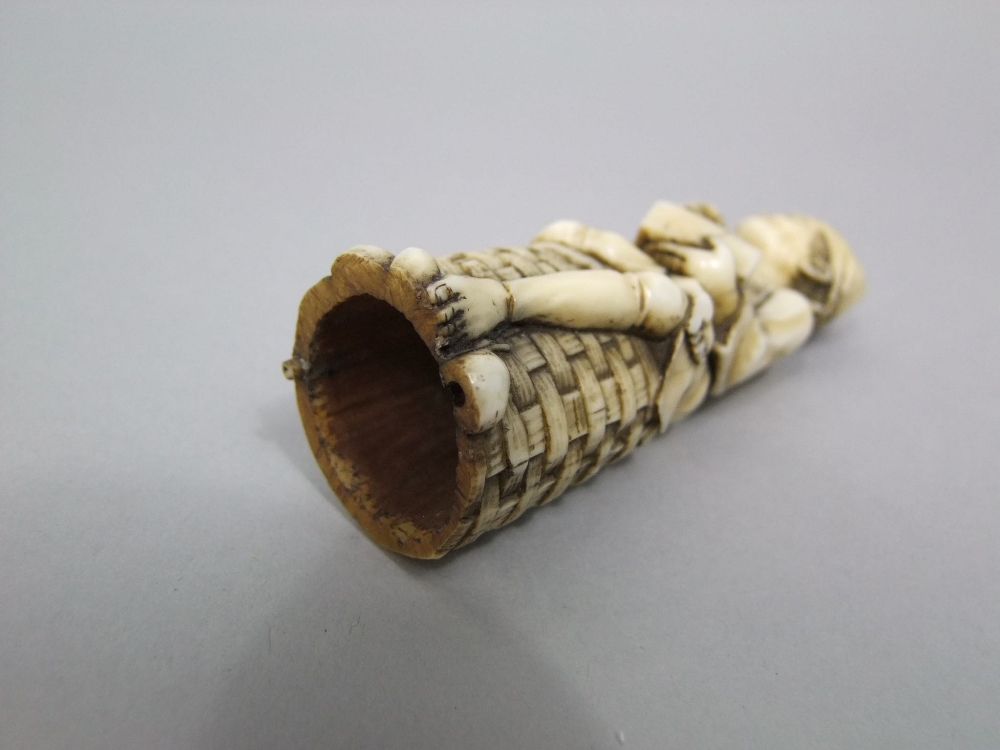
column 670, row 222
column 716, row 271
column 663, row 305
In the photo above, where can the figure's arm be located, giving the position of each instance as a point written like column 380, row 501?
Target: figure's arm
column 647, row 303
column 692, row 241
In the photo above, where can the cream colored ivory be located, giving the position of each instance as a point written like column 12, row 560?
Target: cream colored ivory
column 552, row 360
column 752, row 289
column 482, row 379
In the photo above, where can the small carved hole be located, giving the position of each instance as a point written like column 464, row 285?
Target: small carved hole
column 457, row 394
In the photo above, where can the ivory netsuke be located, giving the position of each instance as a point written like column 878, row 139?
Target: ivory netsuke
column 444, row 397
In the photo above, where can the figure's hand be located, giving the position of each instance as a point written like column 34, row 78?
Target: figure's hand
column 467, row 308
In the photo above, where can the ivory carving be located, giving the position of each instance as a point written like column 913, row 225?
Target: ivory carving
column 444, row 397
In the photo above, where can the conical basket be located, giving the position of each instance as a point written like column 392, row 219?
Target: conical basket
column 429, row 452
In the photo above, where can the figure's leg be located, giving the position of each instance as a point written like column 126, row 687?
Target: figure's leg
column 763, row 335
column 648, row 303
column 687, row 377
column 700, row 333
column 679, row 379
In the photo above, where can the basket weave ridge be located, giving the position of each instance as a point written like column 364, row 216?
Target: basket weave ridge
column 578, row 400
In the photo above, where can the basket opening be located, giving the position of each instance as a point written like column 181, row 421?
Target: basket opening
column 379, row 403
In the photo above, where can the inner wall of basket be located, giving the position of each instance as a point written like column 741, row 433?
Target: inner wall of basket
column 378, row 399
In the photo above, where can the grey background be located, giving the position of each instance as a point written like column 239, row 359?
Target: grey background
column 811, row 562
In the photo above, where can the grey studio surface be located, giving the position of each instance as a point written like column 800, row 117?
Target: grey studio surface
column 811, row 561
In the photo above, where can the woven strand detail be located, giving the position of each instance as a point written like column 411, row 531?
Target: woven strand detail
column 578, row 400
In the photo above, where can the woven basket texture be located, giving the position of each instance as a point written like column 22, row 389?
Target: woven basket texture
column 578, row 400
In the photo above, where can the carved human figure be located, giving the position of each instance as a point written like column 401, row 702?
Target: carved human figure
column 732, row 301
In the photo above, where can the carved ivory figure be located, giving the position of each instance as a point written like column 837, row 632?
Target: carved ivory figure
column 555, row 359
column 740, row 300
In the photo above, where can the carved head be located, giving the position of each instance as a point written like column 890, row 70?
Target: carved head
column 807, row 255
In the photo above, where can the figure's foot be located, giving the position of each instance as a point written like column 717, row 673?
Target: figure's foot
column 468, row 308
